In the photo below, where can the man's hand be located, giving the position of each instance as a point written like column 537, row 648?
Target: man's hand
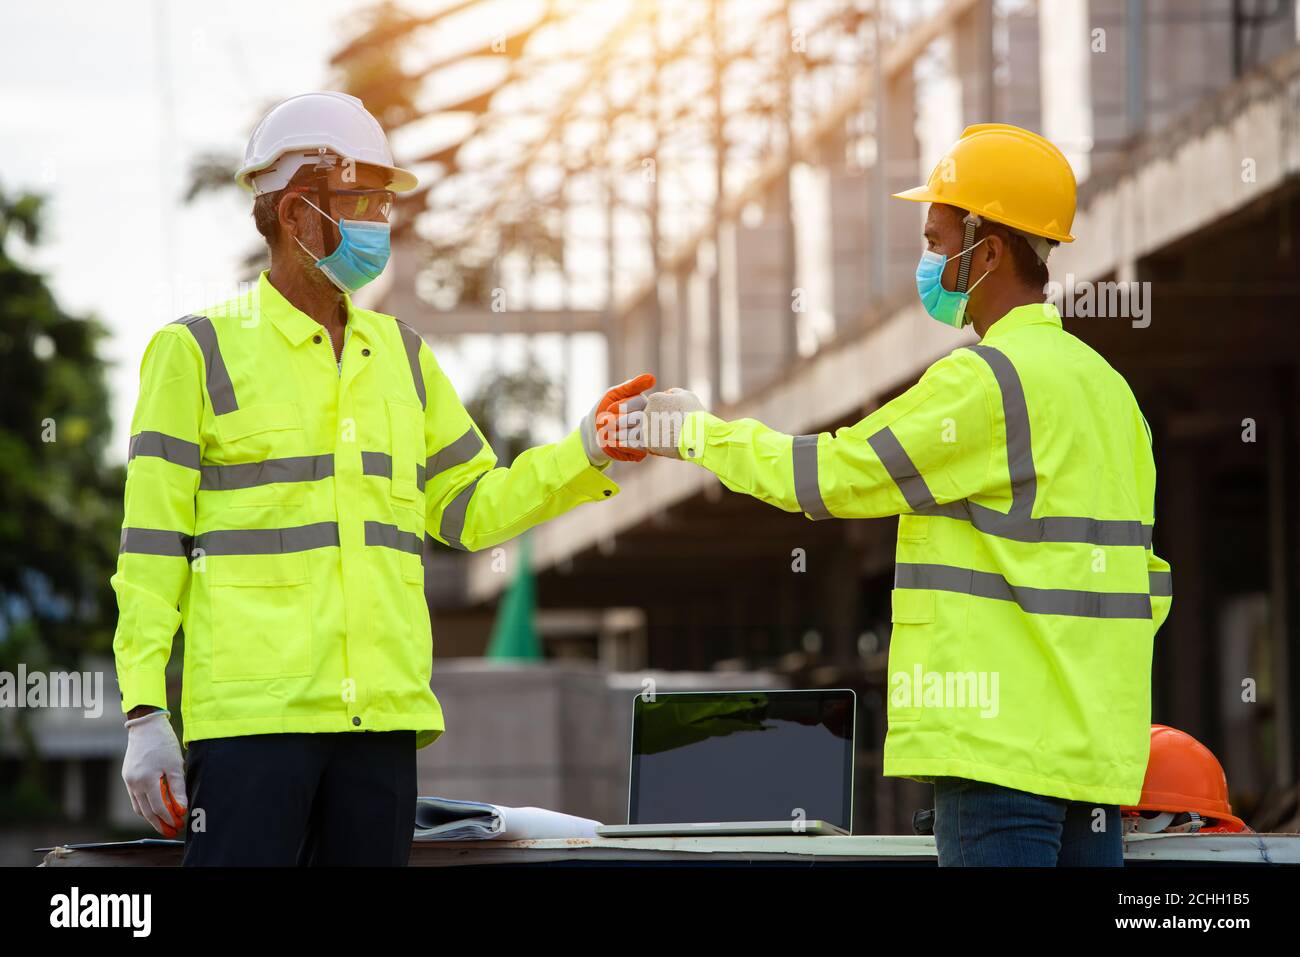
column 602, row 437
column 154, row 773
column 659, row 427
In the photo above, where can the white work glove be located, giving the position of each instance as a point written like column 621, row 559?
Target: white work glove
column 661, row 422
column 602, row 435
column 153, row 755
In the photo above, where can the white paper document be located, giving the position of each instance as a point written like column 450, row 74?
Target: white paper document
column 445, row 819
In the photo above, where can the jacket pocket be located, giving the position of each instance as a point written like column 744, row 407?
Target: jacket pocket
column 248, row 438
column 912, row 606
column 909, row 648
column 413, row 568
column 261, row 620
column 913, row 528
column 254, row 420
column 406, row 442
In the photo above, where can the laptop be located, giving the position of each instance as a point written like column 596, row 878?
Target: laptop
column 740, row 762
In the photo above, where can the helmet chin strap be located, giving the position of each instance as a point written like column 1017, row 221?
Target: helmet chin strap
column 324, row 240
column 329, row 234
column 967, row 241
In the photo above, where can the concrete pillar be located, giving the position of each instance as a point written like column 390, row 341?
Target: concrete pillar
column 1019, row 100
column 973, row 48
column 668, row 358
column 637, row 339
column 902, row 166
column 763, row 296
column 850, row 229
column 1188, row 52
column 682, row 328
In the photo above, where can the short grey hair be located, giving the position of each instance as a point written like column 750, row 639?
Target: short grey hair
column 266, row 208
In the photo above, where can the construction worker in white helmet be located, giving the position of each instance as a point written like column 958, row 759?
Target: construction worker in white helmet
column 291, row 454
column 1023, row 472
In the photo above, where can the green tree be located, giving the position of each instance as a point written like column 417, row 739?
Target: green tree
column 508, row 404
column 60, row 503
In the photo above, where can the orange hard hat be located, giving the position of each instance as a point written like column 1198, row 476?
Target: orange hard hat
column 1184, row 776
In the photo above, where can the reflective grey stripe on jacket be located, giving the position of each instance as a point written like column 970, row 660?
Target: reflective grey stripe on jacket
column 221, row 391
column 1016, row 524
column 1035, row 601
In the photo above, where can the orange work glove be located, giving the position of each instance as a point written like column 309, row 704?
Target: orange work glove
column 600, row 427
column 177, row 812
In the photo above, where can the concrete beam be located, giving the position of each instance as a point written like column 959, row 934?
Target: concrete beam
column 1233, row 150
column 474, row 320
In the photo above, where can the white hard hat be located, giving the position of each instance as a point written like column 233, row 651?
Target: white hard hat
column 295, row 132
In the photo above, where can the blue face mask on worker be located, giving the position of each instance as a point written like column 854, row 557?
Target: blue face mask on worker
column 361, row 255
column 942, row 304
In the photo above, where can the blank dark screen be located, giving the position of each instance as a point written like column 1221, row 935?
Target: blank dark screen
column 754, row 756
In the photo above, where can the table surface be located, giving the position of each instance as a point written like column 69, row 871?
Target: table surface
column 886, row 850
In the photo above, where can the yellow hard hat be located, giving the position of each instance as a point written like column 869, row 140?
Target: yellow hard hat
column 1008, row 175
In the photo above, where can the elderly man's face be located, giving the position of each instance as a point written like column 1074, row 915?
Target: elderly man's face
column 303, row 221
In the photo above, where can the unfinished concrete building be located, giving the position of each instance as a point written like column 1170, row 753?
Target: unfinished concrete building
column 762, row 264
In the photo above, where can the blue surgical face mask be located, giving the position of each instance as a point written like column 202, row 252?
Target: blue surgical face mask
column 942, row 304
column 361, row 255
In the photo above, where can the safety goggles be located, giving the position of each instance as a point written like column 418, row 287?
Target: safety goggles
column 355, row 203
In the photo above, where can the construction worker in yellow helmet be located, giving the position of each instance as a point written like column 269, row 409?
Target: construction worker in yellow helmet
column 1026, row 593
column 291, row 456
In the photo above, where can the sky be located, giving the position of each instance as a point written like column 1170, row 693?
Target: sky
column 104, row 124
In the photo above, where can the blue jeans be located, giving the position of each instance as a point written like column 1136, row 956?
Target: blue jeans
column 977, row 824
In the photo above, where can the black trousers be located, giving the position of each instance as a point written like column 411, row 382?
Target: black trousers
column 316, row 800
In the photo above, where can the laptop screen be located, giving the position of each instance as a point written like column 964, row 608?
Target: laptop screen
column 742, row 756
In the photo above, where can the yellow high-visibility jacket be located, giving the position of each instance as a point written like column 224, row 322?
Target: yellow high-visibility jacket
column 1026, row 594
column 276, row 510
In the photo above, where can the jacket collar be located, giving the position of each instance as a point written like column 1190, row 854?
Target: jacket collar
column 295, row 324
column 1034, row 314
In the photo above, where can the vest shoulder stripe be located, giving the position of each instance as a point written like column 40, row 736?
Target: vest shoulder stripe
column 412, row 341
column 221, row 391
column 1020, row 457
